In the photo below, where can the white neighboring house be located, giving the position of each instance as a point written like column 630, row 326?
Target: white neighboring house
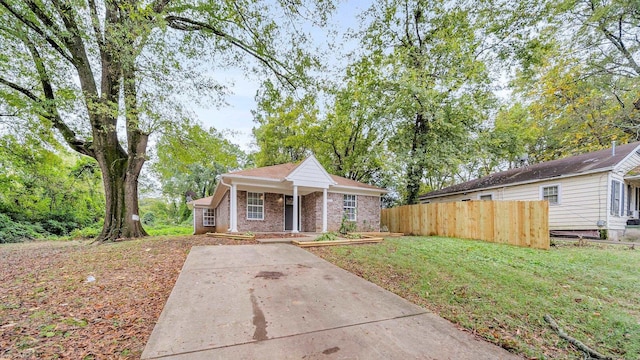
column 587, row 193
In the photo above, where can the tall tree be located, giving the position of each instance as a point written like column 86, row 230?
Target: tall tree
column 578, row 68
column 436, row 83
column 281, row 132
column 102, row 73
column 190, row 157
column 346, row 136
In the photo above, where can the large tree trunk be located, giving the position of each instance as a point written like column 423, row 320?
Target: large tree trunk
column 121, row 197
column 415, row 171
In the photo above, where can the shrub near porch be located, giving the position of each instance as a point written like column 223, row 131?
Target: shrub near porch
column 502, row 292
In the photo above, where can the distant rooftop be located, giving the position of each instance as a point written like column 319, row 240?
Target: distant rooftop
column 588, row 162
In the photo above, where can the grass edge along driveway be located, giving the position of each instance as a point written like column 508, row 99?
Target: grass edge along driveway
column 502, row 292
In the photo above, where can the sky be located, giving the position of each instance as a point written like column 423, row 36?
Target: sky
column 236, row 115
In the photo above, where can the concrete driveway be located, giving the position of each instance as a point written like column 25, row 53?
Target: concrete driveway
column 281, row 302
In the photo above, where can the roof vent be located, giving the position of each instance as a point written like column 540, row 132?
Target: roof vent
column 613, row 148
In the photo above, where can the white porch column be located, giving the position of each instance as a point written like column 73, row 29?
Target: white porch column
column 234, row 208
column 324, row 210
column 294, row 228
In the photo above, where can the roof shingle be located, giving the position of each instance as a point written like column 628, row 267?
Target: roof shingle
column 280, row 172
column 593, row 161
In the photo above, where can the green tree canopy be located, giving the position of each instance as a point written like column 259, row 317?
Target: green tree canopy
column 103, row 74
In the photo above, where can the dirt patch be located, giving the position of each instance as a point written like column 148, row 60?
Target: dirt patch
column 74, row 300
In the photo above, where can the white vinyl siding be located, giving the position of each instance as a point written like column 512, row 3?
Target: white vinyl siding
column 209, row 217
column 310, row 173
column 349, row 205
column 255, row 206
column 583, row 200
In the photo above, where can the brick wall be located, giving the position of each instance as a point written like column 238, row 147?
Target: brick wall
column 334, row 211
column 198, row 227
column 367, row 212
column 273, row 214
column 312, row 212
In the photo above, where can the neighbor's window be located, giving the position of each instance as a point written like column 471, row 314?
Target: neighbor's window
column 486, row 197
column 209, row 217
column 551, row 194
column 616, row 197
column 349, row 207
column 255, row 206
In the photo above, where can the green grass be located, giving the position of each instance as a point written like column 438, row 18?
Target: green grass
column 502, row 292
column 94, row 230
column 164, row 230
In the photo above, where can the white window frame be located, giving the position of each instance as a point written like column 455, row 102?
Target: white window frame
column 487, row 194
column 559, row 195
column 260, row 207
column 347, row 204
column 209, row 217
column 620, row 199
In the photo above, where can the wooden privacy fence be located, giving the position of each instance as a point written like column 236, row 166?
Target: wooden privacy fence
column 520, row 223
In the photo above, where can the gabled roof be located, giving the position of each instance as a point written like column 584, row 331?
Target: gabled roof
column 281, row 177
column 282, row 171
column 597, row 161
column 341, row 181
column 201, row 202
column 310, row 173
column 275, row 172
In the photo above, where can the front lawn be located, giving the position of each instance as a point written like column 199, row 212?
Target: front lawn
column 502, row 292
column 74, row 300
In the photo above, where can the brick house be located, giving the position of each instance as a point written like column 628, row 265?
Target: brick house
column 287, row 197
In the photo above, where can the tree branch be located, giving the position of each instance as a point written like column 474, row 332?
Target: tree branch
column 185, row 24
column 95, row 23
column 50, row 111
column 20, row 89
column 31, row 25
column 159, row 5
column 619, row 44
column 584, row 348
column 75, row 44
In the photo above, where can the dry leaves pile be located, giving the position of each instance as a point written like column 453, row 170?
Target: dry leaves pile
column 79, row 301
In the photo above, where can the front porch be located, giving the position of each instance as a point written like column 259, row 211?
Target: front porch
column 280, row 209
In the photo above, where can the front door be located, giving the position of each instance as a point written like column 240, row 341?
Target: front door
column 288, row 212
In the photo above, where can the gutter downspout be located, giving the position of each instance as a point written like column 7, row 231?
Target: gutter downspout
column 228, row 186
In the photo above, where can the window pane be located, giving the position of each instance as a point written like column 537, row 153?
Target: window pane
column 255, row 206
column 616, row 186
column 550, row 193
column 209, row 217
column 349, row 207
